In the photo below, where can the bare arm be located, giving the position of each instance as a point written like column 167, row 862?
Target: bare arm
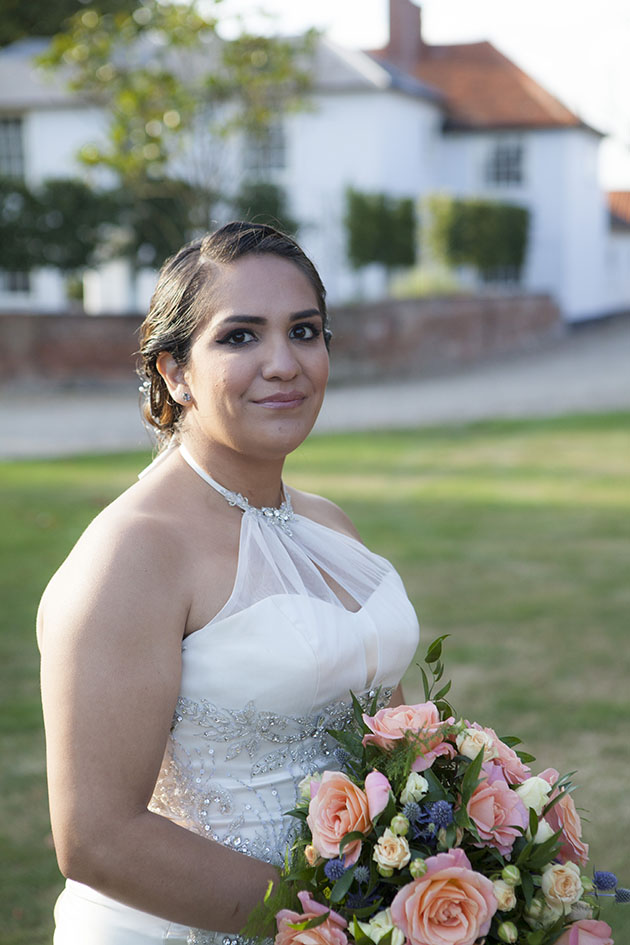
column 398, row 697
column 110, row 625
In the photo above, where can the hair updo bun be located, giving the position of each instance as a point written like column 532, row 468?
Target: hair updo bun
column 182, row 301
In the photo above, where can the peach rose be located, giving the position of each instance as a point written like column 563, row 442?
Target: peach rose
column 497, row 812
column 562, row 885
column 377, row 789
column 338, row 808
column 587, row 932
column 391, row 851
column 389, row 726
column 330, row 932
column 563, row 816
column 449, row 905
column 513, row 768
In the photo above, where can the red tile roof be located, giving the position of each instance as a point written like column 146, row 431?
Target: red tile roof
column 485, row 89
column 619, row 205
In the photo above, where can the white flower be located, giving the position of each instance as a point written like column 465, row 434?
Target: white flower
column 544, row 832
column 415, row 788
column 391, row 851
column 505, row 894
column 562, row 885
column 534, row 793
column 379, row 925
column 304, row 786
column 471, row 741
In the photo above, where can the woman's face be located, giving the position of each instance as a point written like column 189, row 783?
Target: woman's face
column 258, row 366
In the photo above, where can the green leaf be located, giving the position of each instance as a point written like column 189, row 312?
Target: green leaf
column 342, row 885
column 309, row 923
column 358, row 934
column 349, row 838
column 357, row 709
column 525, row 757
column 298, row 812
column 471, row 778
column 437, row 791
column 442, row 692
column 425, row 685
column 435, row 649
column 510, row 740
column 527, row 886
column 533, row 822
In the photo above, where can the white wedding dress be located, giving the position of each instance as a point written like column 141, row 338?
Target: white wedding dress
column 261, row 683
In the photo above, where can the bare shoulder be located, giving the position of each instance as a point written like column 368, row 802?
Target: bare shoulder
column 324, row 512
column 130, row 552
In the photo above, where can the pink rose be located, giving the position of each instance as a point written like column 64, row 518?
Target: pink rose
column 330, row 932
column 338, row 808
column 563, row 816
column 587, row 932
column 497, row 811
column 513, row 768
column 389, row 726
column 449, row 905
column 377, row 788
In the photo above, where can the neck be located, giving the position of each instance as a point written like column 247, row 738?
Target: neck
column 259, row 479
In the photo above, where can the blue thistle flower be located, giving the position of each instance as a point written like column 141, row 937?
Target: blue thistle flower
column 362, row 874
column 424, row 828
column 334, row 870
column 341, row 755
column 604, row 880
column 441, row 813
column 622, row 895
column 357, row 900
column 412, row 812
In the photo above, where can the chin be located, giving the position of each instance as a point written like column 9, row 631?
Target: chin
column 276, row 444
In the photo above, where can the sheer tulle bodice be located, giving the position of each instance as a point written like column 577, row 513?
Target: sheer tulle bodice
column 262, row 682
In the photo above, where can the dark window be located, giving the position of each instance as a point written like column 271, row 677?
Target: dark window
column 14, row 281
column 265, row 151
column 11, row 148
column 505, row 163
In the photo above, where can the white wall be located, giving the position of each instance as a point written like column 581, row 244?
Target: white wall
column 568, row 229
column 377, row 141
column 617, row 271
column 52, row 138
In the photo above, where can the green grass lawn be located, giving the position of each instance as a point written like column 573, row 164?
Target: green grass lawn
column 513, row 537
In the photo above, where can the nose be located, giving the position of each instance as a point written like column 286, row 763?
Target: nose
column 280, row 360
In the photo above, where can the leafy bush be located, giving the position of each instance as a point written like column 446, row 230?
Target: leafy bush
column 487, row 235
column 380, row 229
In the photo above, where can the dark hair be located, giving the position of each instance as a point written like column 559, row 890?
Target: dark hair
column 181, row 299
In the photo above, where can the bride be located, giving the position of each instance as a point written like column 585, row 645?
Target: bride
column 209, row 625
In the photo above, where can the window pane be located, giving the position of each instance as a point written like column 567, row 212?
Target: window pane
column 11, row 149
column 505, row 165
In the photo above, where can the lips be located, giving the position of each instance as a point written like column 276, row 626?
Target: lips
column 292, row 398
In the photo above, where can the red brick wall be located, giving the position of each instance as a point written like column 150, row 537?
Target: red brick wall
column 385, row 339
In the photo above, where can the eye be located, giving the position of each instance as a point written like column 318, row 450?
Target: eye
column 237, row 337
column 305, row 331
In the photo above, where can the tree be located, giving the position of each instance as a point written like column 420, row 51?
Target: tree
column 168, row 82
column 58, row 224
column 380, row 229
column 45, row 18
column 264, row 202
column 488, row 235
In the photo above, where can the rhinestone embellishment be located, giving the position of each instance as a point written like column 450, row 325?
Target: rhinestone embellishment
column 274, row 516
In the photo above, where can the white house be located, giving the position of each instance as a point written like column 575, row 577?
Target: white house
column 409, row 120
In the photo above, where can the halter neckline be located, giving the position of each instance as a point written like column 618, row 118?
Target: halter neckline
column 280, row 516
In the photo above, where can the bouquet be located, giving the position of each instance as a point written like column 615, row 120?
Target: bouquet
column 435, row 832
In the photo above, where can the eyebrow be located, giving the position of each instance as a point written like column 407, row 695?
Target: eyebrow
column 261, row 320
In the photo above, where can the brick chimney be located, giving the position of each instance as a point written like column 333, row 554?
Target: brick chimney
column 405, row 34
